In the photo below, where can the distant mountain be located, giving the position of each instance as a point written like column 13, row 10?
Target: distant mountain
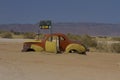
column 19, row 27
column 94, row 29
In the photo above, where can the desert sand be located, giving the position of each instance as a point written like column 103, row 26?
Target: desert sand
column 17, row 65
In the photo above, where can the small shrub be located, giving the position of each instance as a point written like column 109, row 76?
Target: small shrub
column 29, row 35
column 116, row 38
column 102, row 46
column 17, row 33
column 89, row 41
column 115, row 47
column 6, row 35
column 73, row 37
column 85, row 39
column 106, row 47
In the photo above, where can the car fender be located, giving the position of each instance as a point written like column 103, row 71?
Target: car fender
column 36, row 48
column 78, row 47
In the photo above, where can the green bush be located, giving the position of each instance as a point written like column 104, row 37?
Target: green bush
column 85, row 39
column 115, row 47
column 88, row 41
column 17, row 33
column 102, row 46
column 106, row 47
column 116, row 38
column 29, row 35
column 73, row 37
column 6, row 35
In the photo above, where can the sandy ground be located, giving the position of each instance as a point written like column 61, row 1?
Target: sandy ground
column 16, row 65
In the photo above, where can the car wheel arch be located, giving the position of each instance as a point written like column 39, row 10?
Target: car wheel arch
column 75, row 48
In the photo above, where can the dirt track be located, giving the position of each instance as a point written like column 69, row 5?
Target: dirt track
column 15, row 65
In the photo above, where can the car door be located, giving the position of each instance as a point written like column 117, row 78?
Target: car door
column 52, row 44
column 63, row 43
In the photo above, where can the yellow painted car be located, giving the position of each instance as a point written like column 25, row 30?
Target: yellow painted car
column 55, row 43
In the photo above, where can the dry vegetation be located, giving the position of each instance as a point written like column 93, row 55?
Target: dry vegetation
column 100, row 43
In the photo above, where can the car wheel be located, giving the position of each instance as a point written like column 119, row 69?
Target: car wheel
column 30, row 50
column 73, row 51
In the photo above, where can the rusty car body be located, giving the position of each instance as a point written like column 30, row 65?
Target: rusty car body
column 55, row 43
